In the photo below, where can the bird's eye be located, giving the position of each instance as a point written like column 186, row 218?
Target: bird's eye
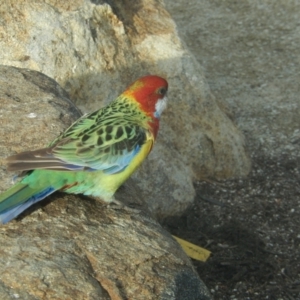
column 162, row 91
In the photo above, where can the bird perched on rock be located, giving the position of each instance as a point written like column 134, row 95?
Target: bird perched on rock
column 95, row 155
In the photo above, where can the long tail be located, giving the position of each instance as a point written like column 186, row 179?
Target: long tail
column 19, row 197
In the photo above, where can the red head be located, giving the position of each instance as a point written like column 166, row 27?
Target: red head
column 150, row 92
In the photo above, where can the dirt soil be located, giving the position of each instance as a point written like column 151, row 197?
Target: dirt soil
column 251, row 226
column 250, row 52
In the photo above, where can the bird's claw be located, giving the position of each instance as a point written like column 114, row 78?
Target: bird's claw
column 116, row 204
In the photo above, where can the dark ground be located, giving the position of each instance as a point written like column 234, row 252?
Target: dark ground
column 250, row 53
column 252, row 228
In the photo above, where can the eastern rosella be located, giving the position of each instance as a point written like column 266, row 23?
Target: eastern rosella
column 95, row 155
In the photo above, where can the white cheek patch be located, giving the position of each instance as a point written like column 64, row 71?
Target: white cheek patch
column 160, row 106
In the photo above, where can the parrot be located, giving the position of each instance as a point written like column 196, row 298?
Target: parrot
column 95, row 155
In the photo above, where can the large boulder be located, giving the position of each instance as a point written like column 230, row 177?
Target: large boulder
column 75, row 247
column 94, row 49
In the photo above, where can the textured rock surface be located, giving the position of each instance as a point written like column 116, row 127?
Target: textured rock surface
column 94, row 49
column 76, row 247
column 34, row 109
column 250, row 52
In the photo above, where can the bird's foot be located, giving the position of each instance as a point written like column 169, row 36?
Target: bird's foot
column 116, row 204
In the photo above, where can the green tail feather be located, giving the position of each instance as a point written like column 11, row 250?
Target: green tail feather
column 19, row 197
column 15, row 195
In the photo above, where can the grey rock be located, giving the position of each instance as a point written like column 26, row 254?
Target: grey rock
column 251, row 66
column 34, row 110
column 75, row 247
column 96, row 48
column 78, row 248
